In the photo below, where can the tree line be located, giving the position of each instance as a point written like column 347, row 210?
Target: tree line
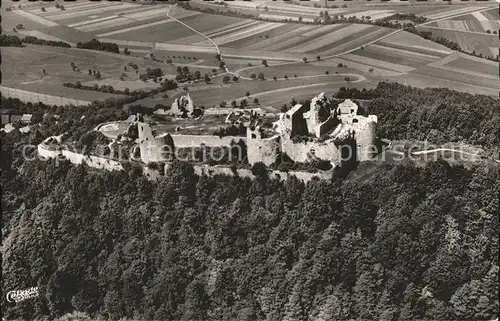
column 15, row 41
column 95, row 44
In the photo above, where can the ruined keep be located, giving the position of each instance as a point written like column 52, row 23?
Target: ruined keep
column 321, row 133
column 154, row 149
column 182, row 107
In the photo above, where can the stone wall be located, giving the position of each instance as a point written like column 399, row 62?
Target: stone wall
column 261, row 149
column 34, row 97
column 303, row 152
column 208, row 140
column 109, row 164
column 243, row 172
column 326, row 126
column 77, row 159
column 366, row 138
column 151, row 147
column 226, row 111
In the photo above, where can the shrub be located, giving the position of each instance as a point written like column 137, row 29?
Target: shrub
column 95, row 44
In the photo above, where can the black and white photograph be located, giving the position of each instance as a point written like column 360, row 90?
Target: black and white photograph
column 250, row 160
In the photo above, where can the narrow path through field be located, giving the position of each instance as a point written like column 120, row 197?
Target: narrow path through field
column 189, row 27
column 33, row 81
column 364, row 45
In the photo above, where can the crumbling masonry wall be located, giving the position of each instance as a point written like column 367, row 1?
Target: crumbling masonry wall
column 365, row 137
column 261, row 149
column 306, row 151
column 153, row 149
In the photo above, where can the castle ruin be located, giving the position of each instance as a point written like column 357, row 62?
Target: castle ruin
column 321, row 133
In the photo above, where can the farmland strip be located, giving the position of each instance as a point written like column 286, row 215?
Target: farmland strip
column 321, row 31
column 245, row 33
column 87, row 22
column 447, row 13
column 473, row 65
column 377, row 63
column 79, row 13
column 394, row 57
column 36, row 18
column 269, row 44
column 135, row 28
column 415, row 48
column 405, row 52
column 356, row 41
column 374, row 14
column 294, row 45
column 226, row 31
column 110, row 23
column 259, row 37
column 54, row 11
column 323, row 41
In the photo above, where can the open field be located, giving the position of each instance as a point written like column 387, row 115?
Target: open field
column 455, row 11
column 468, row 24
column 477, row 21
column 401, row 57
column 290, row 69
column 269, row 93
column 401, row 52
column 166, row 124
column 476, row 65
column 427, row 80
column 478, row 42
column 422, row 63
column 22, row 68
column 278, row 10
column 138, row 26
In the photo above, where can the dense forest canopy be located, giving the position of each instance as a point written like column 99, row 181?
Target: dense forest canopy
column 408, row 243
column 411, row 243
column 436, row 114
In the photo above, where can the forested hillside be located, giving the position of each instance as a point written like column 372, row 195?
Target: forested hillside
column 413, row 243
column 410, row 243
column 438, row 115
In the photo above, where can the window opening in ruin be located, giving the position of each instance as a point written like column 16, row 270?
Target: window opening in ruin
column 253, row 136
column 354, row 120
